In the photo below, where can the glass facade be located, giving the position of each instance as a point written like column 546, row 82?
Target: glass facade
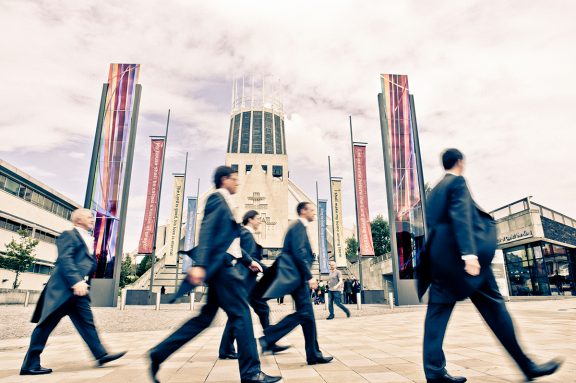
column 25, row 192
column 268, row 137
column 257, row 132
column 278, row 134
column 235, row 134
column 245, row 137
column 541, row 268
column 406, row 209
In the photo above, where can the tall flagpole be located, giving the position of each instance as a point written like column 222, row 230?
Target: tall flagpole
column 356, row 208
column 158, row 207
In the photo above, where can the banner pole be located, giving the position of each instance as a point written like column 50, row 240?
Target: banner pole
column 332, row 209
column 158, row 207
column 356, row 208
column 177, row 274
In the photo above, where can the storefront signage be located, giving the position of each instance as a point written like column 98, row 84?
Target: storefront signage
column 515, row 236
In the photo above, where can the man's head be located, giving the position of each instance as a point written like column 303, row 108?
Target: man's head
column 453, row 161
column 83, row 218
column 227, row 178
column 332, row 265
column 252, row 218
column 306, row 210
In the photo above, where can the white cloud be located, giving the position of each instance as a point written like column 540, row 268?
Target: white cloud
column 491, row 78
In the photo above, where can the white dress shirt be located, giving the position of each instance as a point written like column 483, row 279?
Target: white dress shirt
column 234, row 250
column 87, row 237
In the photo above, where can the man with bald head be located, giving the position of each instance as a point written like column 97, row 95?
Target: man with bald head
column 67, row 293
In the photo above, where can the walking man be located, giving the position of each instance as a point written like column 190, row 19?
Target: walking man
column 456, row 266
column 67, row 293
column 335, row 284
column 251, row 252
column 293, row 276
column 216, row 256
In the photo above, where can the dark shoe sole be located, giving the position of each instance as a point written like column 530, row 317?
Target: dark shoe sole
column 28, row 372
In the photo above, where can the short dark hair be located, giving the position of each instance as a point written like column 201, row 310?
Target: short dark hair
column 222, row 171
column 301, row 206
column 250, row 214
column 450, row 157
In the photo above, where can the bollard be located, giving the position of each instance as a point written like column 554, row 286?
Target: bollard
column 359, row 301
column 192, row 298
column 158, row 301
column 123, row 300
column 391, row 300
column 27, row 299
column 326, row 299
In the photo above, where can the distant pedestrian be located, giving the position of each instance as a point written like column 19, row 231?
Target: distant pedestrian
column 162, row 290
column 67, row 294
column 347, row 291
column 335, row 286
column 355, row 290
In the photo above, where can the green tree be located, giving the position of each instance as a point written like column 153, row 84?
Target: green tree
column 144, row 265
column 127, row 272
column 352, row 249
column 380, row 235
column 20, row 255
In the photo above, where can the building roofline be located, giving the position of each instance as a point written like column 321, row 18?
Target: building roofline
column 36, row 183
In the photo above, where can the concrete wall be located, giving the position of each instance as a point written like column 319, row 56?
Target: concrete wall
column 12, row 297
column 373, row 272
column 29, row 281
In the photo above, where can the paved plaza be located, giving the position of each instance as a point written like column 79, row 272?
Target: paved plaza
column 375, row 345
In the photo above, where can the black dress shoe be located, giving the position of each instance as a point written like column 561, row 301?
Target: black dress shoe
column 321, row 360
column 538, row 370
column 110, row 357
column 270, row 348
column 35, row 371
column 154, row 367
column 230, row 355
column 260, row 378
column 447, row 378
column 276, row 348
column 329, row 317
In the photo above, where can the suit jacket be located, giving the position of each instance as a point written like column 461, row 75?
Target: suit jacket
column 217, row 231
column 456, row 227
column 74, row 262
column 292, row 268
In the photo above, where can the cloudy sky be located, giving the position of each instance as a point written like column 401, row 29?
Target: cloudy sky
column 493, row 78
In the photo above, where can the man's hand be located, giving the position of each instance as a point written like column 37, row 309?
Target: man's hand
column 196, row 275
column 313, row 283
column 255, row 267
column 80, row 289
column 472, row 267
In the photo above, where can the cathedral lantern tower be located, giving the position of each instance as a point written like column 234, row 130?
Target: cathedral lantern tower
column 257, row 150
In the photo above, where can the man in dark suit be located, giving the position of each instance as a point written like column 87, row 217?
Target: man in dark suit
column 216, row 256
column 66, row 293
column 251, row 251
column 460, row 249
column 293, row 276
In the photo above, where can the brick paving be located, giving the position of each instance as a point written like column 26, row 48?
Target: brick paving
column 375, row 345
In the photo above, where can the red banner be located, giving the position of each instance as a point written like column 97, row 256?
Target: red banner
column 154, row 180
column 365, row 231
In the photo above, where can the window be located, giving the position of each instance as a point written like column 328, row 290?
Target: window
column 278, row 134
column 277, row 171
column 268, row 138
column 230, row 133
column 12, row 187
column 248, row 169
column 283, row 137
column 2, row 181
column 257, row 132
column 234, row 167
column 235, row 133
column 245, row 138
column 265, row 169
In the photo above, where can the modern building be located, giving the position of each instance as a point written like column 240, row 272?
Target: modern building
column 28, row 204
column 539, row 246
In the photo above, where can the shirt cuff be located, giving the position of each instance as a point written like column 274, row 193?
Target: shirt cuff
column 468, row 257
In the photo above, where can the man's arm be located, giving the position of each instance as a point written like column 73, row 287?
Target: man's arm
column 248, row 247
column 299, row 239
column 66, row 250
column 460, row 210
column 208, row 229
column 340, row 281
